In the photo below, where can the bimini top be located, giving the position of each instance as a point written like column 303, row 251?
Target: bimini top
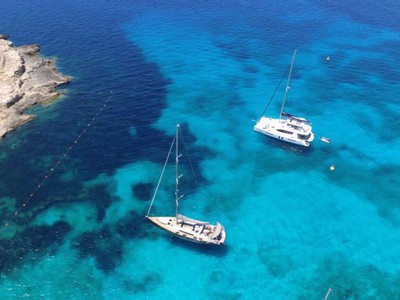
column 300, row 119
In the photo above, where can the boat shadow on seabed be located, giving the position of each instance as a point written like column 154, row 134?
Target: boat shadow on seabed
column 214, row 250
column 288, row 147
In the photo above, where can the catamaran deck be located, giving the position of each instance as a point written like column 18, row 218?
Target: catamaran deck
column 291, row 130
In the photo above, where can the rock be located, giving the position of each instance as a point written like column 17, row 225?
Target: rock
column 26, row 79
column 14, row 99
column 29, row 49
column 4, row 36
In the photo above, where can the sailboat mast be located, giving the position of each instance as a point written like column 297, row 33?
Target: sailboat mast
column 288, row 84
column 176, row 171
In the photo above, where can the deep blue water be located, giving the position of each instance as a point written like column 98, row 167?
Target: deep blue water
column 294, row 227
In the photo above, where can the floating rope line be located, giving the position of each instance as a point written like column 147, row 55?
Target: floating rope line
column 57, row 164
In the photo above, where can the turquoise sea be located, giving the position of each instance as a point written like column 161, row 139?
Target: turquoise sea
column 75, row 184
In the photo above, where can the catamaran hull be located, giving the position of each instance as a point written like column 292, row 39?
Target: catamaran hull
column 278, row 129
column 188, row 231
column 282, row 138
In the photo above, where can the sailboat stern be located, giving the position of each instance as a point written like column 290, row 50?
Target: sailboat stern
column 219, row 234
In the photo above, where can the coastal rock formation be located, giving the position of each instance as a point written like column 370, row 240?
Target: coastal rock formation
column 26, row 79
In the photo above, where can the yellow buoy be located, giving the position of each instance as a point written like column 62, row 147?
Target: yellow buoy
column 332, row 168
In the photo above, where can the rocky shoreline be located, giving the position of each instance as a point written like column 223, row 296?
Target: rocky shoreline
column 26, row 79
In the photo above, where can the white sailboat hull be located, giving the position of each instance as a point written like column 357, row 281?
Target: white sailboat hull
column 197, row 231
column 288, row 130
column 181, row 226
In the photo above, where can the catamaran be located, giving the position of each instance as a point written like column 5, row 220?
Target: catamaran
column 180, row 225
column 287, row 127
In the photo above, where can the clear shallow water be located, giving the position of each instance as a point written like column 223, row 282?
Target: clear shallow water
column 294, row 227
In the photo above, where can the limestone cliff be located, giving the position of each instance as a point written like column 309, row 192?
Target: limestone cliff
column 26, row 79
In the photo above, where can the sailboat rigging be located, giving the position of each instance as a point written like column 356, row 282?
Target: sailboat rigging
column 180, row 225
column 287, row 127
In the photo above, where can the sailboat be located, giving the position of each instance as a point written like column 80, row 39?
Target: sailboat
column 180, row 225
column 287, row 127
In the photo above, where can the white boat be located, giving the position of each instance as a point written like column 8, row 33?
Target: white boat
column 325, row 139
column 179, row 225
column 287, row 127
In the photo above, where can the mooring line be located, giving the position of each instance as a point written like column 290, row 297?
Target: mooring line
column 57, row 164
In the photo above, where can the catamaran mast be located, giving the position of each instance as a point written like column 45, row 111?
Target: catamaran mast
column 288, row 84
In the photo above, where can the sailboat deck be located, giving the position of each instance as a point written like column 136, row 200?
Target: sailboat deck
column 201, row 232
